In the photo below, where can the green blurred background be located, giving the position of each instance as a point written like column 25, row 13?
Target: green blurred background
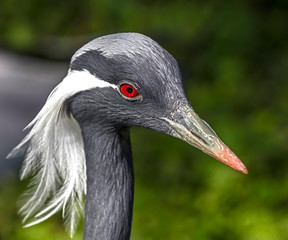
column 234, row 60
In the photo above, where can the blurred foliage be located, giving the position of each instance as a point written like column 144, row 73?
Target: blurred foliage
column 234, row 58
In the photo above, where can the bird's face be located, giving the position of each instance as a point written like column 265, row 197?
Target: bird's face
column 143, row 87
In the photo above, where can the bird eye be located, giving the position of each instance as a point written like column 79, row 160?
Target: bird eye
column 128, row 91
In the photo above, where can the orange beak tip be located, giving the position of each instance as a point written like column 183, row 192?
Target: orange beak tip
column 226, row 156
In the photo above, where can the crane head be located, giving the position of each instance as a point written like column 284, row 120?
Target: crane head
column 114, row 82
column 143, row 88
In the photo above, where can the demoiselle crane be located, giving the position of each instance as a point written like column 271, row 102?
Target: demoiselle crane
column 79, row 143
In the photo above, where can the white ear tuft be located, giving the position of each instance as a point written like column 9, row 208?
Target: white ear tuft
column 55, row 156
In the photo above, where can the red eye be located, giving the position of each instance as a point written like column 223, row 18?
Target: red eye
column 128, row 90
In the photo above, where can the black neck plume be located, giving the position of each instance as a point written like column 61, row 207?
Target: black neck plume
column 110, row 184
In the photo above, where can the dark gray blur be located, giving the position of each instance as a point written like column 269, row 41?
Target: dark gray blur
column 25, row 83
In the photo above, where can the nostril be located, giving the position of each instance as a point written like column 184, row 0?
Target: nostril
column 200, row 138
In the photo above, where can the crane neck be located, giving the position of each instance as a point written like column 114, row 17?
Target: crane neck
column 110, row 183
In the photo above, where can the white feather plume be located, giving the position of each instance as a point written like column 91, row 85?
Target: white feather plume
column 55, row 157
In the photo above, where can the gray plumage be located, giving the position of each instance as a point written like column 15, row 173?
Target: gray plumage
column 79, row 143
